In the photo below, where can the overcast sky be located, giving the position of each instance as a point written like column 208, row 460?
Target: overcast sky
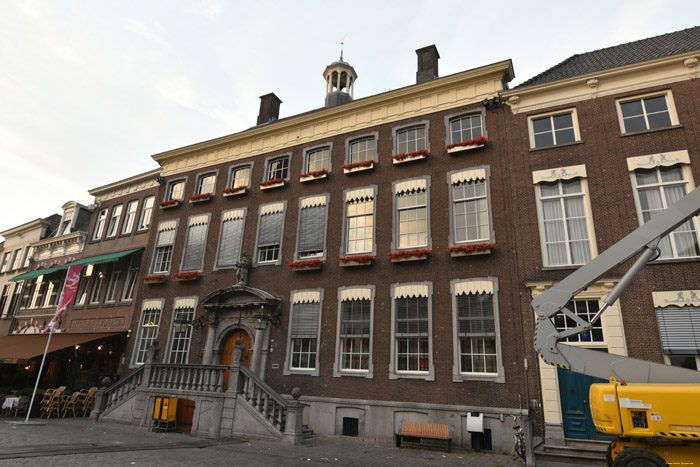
column 89, row 90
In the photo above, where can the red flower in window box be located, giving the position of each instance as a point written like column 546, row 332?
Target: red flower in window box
column 169, row 203
column 356, row 165
column 200, row 197
column 408, row 255
column 406, row 156
column 476, row 142
column 314, row 174
column 155, row 279
column 471, row 249
column 358, row 260
column 232, row 191
column 305, row 265
column 187, row 276
column 274, row 181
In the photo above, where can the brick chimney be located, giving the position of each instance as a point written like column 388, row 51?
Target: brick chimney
column 427, row 64
column 269, row 108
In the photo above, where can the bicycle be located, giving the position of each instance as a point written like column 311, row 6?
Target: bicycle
column 519, row 440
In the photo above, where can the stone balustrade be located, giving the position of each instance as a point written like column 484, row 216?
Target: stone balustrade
column 201, row 378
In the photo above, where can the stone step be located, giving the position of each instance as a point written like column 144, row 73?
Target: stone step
column 580, row 453
column 307, row 432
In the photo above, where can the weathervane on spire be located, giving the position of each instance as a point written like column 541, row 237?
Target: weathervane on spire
column 342, row 42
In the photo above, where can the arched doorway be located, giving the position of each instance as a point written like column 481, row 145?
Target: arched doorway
column 226, row 356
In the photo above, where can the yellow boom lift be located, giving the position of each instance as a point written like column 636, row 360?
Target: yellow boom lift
column 652, row 408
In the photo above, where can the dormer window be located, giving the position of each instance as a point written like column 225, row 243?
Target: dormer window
column 66, row 224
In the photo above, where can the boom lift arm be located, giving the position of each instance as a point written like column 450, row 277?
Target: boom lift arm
column 548, row 340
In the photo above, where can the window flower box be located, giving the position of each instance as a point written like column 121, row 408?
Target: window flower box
column 306, row 265
column 200, row 198
column 170, row 203
column 410, row 255
column 155, row 279
column 409, row 156
column 315, row 175
column 358, row 166
column 187, row 276
column 467, row 145
column 360, row 260
column 471, row 249
column 239, row 190
column 274, row 183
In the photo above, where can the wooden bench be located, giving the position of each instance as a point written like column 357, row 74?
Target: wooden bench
column 419, row 430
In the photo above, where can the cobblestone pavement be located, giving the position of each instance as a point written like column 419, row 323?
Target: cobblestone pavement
column 79, row 442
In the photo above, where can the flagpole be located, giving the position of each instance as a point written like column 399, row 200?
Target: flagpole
column 52, row 324
column 38, row 376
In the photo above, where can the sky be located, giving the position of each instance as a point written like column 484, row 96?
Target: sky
column 89, row 90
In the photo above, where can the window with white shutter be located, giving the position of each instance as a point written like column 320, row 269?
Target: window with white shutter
column 196, row 242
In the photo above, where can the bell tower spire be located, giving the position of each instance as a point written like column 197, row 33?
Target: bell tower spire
column 340, row 81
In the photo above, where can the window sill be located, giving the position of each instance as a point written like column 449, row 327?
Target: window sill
column 410, row 255
column 465, row 378
column 352, row 168
column 355, row 374
column 409, row 157
column 298, row 371
column 644, row 132
column 359, row 260
column 459, row 149
column 196, row 199
column 470, row 249
column 310, row 177
column 690, row 259
column 544, row 148
column 561, row 268
column 272, row 186
column 427, row 376
column 170, row 204
column 238, row 191
column 306, row 265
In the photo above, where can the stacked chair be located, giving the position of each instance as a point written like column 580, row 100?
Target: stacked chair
column 52, row 403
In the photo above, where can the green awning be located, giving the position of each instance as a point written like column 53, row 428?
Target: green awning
column 108, row 258
column 37, row 273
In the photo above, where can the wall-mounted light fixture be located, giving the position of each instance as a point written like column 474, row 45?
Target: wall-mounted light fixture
column 160, row 180
column 491, row 104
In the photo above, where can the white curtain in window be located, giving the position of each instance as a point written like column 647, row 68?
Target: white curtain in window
column 578, row 230
column 554, row 232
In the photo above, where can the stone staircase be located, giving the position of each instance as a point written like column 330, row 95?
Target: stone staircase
column 307, row 432
column 575, row 452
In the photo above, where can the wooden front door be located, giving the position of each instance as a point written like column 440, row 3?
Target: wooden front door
column 228, row 346
column 183, row 416
column 574, row 390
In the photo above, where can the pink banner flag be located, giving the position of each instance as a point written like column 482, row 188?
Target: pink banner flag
column 70, row 288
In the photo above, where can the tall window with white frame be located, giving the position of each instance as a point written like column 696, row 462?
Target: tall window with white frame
column 148, row 332
column 411, row 140
column 277, row 169
column 163, row 255
column 411, row 216
column 465, row 128
column 4, row 297
column 586, row 310
column 564, row 223
column 206, row 184
column 4, row 266
column 146, row 212
column 231, row 237
column 359, row 222
column 312, row 228
column 318, row 159
column 181, row 333
column 362, row 150
column 114, row 220
column 306, row 311
column 97, row 285
column 195, row 244
column 411, row 332
column 240, row 177
column 470, row 210
column 355, row 329
column 476, row 331
column 100, row 225
column 658, row 188
column 131, row 276
column 130, row 217
column 112, row 286
column 270, row 233
column 176, row 190
column 553, row 130
column 646, row 113
column 81, row 296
